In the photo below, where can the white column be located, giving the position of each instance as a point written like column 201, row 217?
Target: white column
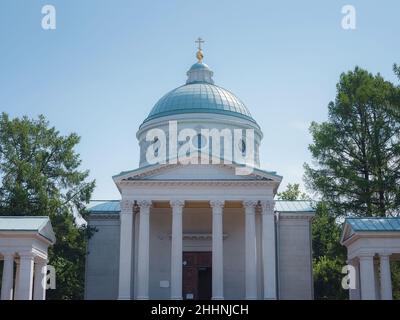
column 354, row 294
column 16, row 278
column 8, row 277
column 143, row 251
column 367, row 277
column 217, row 250
column 250, row 245
column 386, row 279
column 176, row 250
column 268, row 249
column 125, row 250
column 25, row 277
column 39, row 283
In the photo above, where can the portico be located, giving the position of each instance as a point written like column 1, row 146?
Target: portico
column 23, row 246
column 372, row 243
column 257, row 200
column 217, row 208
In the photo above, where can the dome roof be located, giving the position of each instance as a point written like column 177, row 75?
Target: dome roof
column 199, row 95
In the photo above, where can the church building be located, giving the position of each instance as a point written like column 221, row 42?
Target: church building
column 197, row 219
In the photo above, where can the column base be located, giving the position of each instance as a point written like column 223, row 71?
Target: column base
column 142, row 298
column 176, row 298
column 251, row 298
column 217, row 298
column 124, row 298
column 270, row 299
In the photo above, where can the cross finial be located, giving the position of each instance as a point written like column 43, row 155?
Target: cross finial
column 199, row 41
column 199, row 54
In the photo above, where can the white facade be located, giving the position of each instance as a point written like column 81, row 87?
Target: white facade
column 23, row 247
column 199, row 229
column 370, row 253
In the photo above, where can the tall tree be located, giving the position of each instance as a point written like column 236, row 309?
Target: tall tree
column 40, row 175
column 357, row 151
column 329, row 256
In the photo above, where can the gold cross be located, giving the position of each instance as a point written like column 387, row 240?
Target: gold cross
column 199, row 41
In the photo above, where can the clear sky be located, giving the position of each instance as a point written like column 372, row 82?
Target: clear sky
column 108, row 62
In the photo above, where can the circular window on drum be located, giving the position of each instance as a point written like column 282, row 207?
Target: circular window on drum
column 199, row 141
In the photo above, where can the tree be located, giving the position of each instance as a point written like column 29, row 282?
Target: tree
column 396, row 69
column 40, row 175
column 357, row 151
column 329, row 256
column 292, row 193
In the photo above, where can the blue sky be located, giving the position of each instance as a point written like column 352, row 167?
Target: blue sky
column 108, row 62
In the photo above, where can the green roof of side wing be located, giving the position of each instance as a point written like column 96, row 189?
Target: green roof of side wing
column 104, row 206
column 113, row 206
column 39, row 224
column 294, row 206
column 375, row 224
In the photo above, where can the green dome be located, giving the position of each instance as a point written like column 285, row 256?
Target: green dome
column 199, row 95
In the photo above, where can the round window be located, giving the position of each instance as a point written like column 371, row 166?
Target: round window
column 199, row 141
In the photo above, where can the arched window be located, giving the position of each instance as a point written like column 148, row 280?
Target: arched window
column 156, row 145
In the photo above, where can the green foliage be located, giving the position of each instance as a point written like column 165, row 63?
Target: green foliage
column 357, row 150
column 327, row 279
column 329, row 256
column 396, row 69
column 395, row 272
column 326, row 235
column 40, row 176
column 292, row 192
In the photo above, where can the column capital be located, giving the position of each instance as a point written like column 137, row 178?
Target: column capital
column 26, row 255
column 177, row 203
column 217, row 204
column 384, row 255
column 267, row 206
column 250, row 206
column 8, row 255
column 144, row 204
column 366, row 256
column 127, row 206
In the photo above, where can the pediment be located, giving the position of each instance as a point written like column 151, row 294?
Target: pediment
column 190, row 172
column 347, row 232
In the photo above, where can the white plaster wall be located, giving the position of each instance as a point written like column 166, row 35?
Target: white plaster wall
column 295, row 269
column 102, row 260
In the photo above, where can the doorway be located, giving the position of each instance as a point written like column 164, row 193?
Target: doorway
column 197, row 276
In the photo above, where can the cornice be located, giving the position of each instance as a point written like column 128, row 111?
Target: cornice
column 189, row 183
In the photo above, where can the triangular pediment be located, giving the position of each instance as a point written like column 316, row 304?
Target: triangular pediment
column 219, row 171
column 347, row 232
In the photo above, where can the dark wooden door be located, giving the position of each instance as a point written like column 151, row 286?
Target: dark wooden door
column 197, row 275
